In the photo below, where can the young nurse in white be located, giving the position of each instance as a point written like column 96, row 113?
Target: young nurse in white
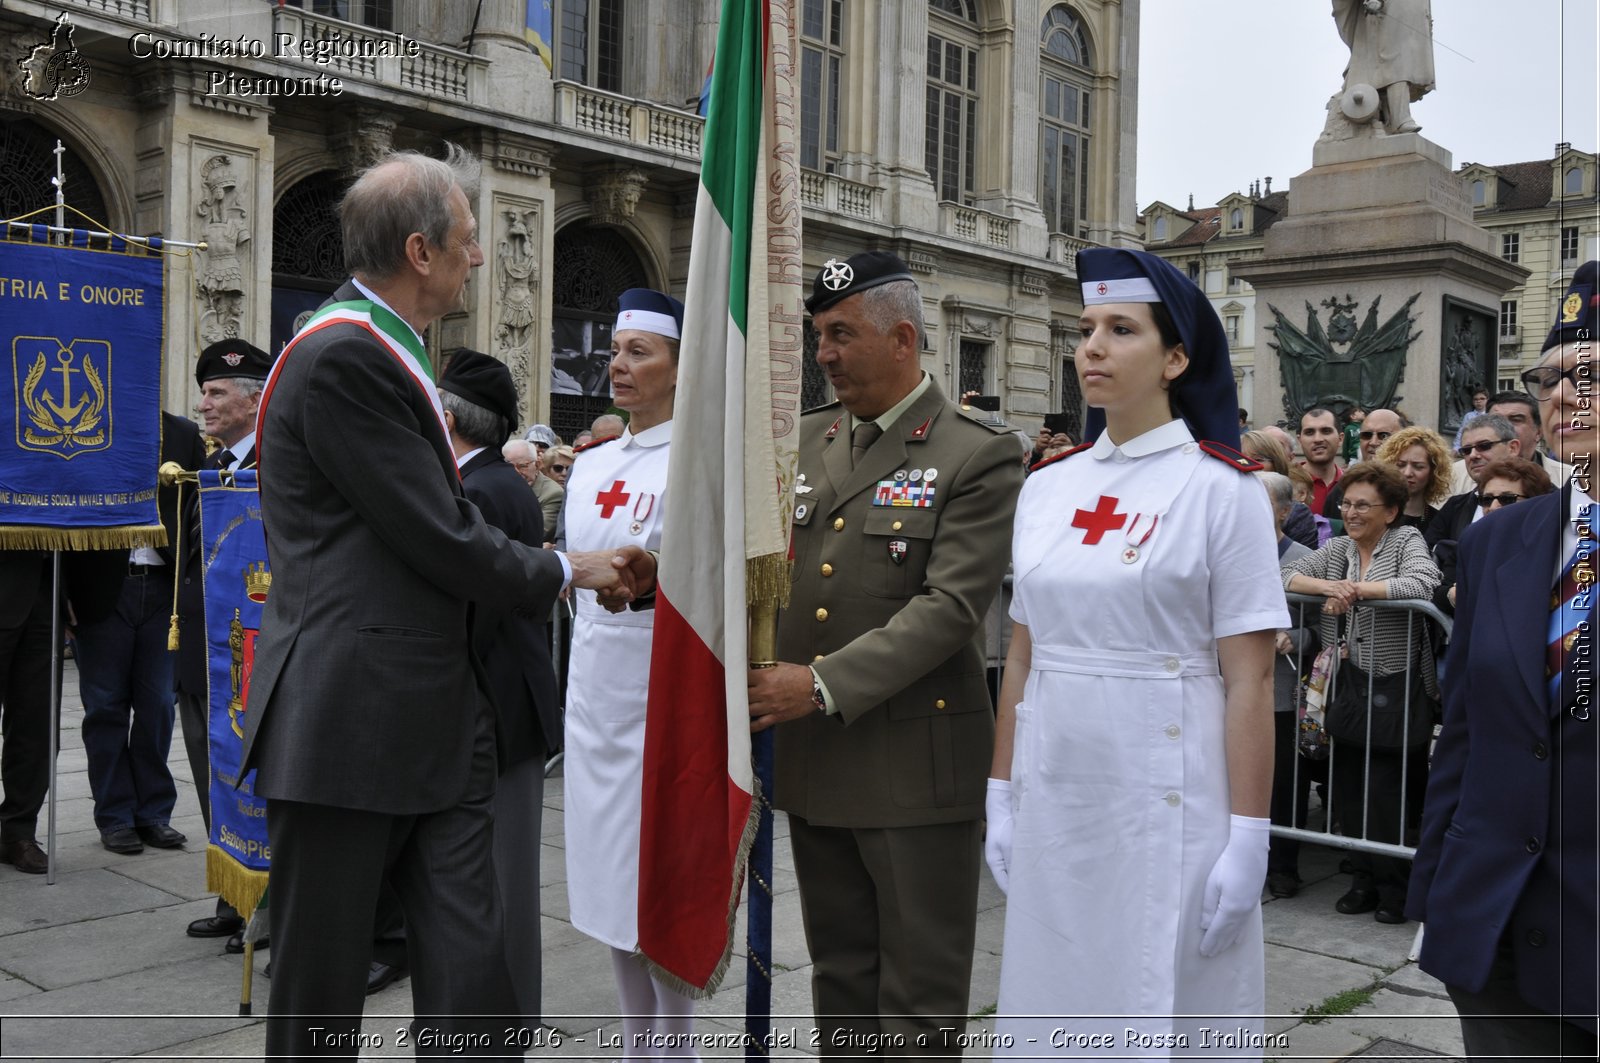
column 1133, row 753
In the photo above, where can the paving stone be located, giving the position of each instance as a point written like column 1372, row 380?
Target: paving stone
column 1310, row 1042
column 94, row 949
column 1425, row 1021
column 180, row 872
column 1297, row 979
column 1308, row 922
column 1413, row 979
column 28, row 903
column 11, row 988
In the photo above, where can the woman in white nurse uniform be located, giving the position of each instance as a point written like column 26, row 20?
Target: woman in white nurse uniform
column 614, row 498
column 1133, row 754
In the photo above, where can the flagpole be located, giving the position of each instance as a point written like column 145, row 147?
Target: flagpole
column 56, row 630
column 763, row 616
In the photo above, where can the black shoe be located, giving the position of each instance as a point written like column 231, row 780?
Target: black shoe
column 124, row 840
column 1283, row 883
column 25, row 855
column 161, row 836
column 1357, row 901
column 215, row 926
column 235, row 944
column 382, row 975
column 1387, row 913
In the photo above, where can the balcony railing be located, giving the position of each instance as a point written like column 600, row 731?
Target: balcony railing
column 1064, row 248
column 830, row 192
column 977, row 226
column 629, row 121
column 133, row 10
column 351, row 51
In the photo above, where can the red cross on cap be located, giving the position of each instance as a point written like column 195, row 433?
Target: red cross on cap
column 1101, row 288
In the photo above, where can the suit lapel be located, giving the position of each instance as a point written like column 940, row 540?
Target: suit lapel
column 1522, row 582
column 885, row 456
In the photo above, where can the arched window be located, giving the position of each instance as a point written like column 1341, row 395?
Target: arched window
column 1236, row 219
column 27, row 166
column 307, row 252
column 950, row 144
column 1573, row 184
column 821, row 63
column 1479, row 192
column 589, row 42
column 593, row 265
column 1065, row 78
column 1160, row 230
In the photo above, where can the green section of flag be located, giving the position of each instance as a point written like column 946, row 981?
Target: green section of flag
column 732, row 137
column 386, row 322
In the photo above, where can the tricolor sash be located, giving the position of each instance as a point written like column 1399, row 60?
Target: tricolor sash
column 80, row 396
column 236, row 578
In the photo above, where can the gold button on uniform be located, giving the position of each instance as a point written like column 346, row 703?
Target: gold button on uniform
column 827, row 570
column 822, row 614
column 838, row 524
column 896, row 526
column 818, row 657
column 939, row 704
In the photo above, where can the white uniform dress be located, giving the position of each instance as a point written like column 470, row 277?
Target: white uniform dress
column 613, row 499
column 1130, row 563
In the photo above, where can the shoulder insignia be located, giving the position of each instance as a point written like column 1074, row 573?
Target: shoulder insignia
column 921, row 431
column 1230, row 457
column 833, row 429
column 1057, row 457
column 987, row 418
column 602, row 441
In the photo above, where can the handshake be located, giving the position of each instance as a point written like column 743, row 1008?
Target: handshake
column 618, row 577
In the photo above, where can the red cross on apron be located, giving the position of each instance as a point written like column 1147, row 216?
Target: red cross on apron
column 1103, row 518
column 612, row 499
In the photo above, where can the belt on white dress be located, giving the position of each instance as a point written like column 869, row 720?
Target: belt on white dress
column 1151, row 664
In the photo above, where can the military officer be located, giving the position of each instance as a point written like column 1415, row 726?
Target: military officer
column 884, row 726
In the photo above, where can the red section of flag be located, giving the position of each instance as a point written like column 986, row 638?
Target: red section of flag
column 694, row 816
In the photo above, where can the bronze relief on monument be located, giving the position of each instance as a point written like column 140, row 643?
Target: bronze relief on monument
column 1468, row 359
column 1343, row 363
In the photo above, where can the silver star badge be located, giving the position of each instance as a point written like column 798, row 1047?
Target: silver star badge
column 837, row 275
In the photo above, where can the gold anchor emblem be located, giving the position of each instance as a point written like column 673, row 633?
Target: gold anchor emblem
column 65, row 423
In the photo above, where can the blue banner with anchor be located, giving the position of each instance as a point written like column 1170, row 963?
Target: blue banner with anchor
column 236, row 578
column 80, row 396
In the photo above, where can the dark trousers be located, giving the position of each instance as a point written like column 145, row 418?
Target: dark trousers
column 890, row 918
column 125, row 677
column 192, row 717
column 25, row 717
column 1378, row 800
column 328, row 868
column 518, row 823
column 1291, row 791
column 1496, row 1023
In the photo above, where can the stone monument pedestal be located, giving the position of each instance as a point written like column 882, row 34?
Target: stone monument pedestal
column 1377, row 220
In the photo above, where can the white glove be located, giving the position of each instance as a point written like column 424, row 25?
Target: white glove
column 997, row 840
column 1233, row 889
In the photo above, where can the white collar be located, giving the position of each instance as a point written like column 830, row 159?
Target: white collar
column 375, row 297
column 650, row 437
column 240, row 449
column 1175, row 433
column 461, row 462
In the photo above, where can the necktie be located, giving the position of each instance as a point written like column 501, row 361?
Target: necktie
column 861, row 438
column 222, row 459
column 1571, row 619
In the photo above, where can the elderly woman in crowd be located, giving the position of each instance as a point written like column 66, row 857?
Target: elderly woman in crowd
column 1297, row 524
column 1424, row 463
column 1378, row 558
column 1505, row 482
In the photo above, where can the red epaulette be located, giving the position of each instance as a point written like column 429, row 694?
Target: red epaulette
column 1058, row 457
column 592, row 444
column 1230, row 457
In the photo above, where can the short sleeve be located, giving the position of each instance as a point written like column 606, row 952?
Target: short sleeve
column 1030, row 513
column 1242, row 557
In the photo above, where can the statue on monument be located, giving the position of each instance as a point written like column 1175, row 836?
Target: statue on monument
column 1391, row 63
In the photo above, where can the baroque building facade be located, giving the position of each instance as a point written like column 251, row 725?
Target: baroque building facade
column 983, row 140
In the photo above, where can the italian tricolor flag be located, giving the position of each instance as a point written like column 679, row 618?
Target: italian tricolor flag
column 725, row 542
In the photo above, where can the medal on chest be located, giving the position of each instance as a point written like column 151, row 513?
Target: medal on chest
column 1104, row 517
column 643, row 505
column 1135, row 539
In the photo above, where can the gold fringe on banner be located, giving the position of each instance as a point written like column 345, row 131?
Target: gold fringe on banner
column 766, row 579
column 233, row 882
column 30, row 537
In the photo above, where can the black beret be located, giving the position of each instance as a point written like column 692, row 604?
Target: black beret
column 232, row 358
column 867, row 269
column 1579, row 311
column 482, row 381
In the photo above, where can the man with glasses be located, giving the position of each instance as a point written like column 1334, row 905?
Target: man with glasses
column 1505, row 870
column 1522, row 410
column 1486, row 440
column 1376, row 429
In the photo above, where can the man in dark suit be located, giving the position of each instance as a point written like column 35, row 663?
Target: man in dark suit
column 480, row 409
column 1485, row 441
column 885, row 726
column 231, row 374
column 368, row 717
column 25, row 638
column 1506, row 869
column 121, row 609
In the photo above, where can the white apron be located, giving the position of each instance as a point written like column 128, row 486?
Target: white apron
column 612, row 490
column 1130, row 563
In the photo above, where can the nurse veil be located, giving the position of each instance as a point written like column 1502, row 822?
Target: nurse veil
column 1133, row 751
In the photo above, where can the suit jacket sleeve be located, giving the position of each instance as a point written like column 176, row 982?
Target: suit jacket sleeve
column 363, row 431
column 967, row 561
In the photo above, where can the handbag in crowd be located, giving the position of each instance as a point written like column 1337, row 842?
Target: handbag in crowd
column 1401, row 710
column 1311, row 733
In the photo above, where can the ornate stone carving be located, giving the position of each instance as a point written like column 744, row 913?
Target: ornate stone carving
column 370, row 137
column 977, row 326
column 220, row 274
column 14, row 51
column 1034, row 283
column 1344, row 364
column 516, row 275
column 922, row 261
column 512, row 154
column 615, row 194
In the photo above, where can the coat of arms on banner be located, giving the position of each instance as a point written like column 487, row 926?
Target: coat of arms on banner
column 62, row 389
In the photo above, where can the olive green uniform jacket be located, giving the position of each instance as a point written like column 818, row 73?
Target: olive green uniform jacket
column 888, row 606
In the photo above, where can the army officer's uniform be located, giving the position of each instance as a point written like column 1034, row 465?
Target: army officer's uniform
column 896, row 558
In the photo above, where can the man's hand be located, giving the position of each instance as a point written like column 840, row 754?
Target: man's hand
column 616, row 576
column 778, row 694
